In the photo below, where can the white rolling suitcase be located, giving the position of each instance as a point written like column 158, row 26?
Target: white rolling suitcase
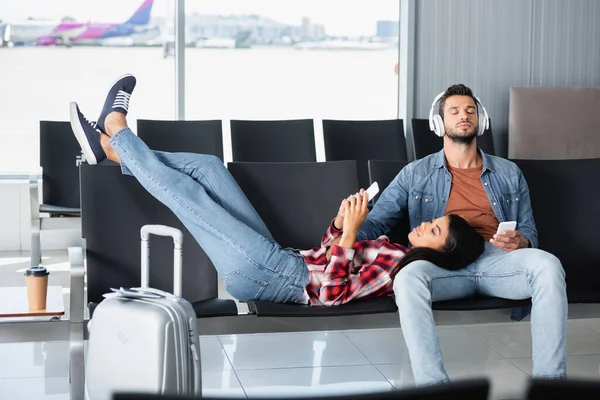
column 144, row 340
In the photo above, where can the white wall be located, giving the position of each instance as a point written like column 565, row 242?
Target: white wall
column 15, row 222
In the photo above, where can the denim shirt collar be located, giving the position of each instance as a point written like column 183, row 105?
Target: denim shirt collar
column 440, row 161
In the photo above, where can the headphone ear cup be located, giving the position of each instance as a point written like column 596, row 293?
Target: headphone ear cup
column 482, row 120
column 438, row 125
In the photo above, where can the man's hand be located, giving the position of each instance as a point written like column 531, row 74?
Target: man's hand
column 510, row 240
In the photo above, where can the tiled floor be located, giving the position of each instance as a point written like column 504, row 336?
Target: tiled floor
column 314, row 363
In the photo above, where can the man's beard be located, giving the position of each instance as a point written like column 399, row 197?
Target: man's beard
column 462, row 139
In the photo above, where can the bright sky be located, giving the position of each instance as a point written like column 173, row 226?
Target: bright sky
column 340, row 17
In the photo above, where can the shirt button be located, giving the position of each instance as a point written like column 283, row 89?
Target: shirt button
column 417, row 197
column 485, row 184
column 494, row 203
column 426, row 200
column 516, row 198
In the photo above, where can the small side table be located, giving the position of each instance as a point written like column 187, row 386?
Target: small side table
column 13, row 303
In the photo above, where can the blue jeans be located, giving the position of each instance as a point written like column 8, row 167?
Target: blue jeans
column 520, row 274
column 208, row 201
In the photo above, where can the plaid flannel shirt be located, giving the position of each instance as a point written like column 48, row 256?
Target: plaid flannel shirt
column 360, row 272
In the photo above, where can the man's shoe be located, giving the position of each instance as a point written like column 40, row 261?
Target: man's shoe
column 88, row 136
column 117, row 98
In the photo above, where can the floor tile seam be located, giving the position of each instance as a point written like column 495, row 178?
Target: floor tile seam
column 516, row 366
column 384, row 377
column 358, row 349
column 588, row 328
column 472, row 335
column 225, row 352
column 233, row 370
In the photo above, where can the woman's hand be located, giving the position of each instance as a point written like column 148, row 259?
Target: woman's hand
column 333, row 243
column 338, row 223
column 355, row 213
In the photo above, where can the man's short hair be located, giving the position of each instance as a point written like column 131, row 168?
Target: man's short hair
column 456, row 90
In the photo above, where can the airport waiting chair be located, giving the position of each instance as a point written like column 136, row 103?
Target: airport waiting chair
column 60, row 156
column 546, row 389
column 297, row 201
column 472, row 389
column 426, row 142
column 111, row 223
column 363, row 141
column 204, row 137
column 273, row 141
column 567, row 223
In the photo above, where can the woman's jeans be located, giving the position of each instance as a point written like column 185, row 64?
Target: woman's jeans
column 210, row 204
column 519, row 274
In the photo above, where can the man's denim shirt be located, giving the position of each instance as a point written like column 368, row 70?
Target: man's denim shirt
column 423, row 186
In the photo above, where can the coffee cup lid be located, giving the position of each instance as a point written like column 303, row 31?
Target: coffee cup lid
column 36, row 271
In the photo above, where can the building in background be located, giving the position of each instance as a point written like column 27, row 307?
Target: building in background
column 387, row 29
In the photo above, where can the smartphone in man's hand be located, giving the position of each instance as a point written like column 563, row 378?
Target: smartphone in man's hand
column 506, row 226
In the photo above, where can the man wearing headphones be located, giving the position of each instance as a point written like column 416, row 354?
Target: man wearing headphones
column 485, row 190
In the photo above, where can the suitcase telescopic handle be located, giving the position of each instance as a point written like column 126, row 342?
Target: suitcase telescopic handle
column 162, row 230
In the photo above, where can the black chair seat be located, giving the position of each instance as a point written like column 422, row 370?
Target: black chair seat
column 204, row 308
column 59, row 210
column 370, row 306
column 375, row 306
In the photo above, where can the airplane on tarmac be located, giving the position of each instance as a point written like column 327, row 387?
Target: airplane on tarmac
column 42, row 32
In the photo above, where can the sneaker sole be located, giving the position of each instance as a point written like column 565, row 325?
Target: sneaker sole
column 81, row 136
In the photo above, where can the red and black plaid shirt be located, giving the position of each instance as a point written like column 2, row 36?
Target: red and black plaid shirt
column 360, row 272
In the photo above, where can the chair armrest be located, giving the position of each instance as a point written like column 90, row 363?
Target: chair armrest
column 76, row 298
column 215, row 308
column 59, row 210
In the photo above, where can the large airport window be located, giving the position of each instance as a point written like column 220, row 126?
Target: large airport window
column 55, row 52
column 272, row 59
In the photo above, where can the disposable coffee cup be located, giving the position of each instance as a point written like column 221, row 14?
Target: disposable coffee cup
column 36, row 279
